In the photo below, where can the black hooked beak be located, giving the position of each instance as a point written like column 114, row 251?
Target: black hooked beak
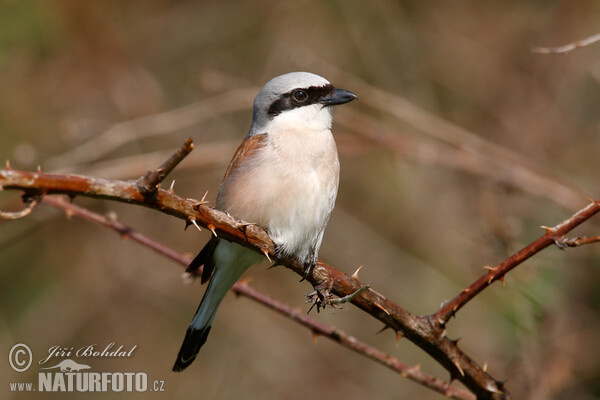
column 338, row 96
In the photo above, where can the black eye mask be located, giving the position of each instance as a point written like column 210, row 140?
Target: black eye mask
column 299, row 98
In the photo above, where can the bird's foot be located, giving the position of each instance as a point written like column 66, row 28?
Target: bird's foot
column 322, row 297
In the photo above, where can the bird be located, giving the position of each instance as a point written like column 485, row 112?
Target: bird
column 284, row 178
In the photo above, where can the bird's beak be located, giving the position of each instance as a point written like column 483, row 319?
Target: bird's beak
column 338, row 96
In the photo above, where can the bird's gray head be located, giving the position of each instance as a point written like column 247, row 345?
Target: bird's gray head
column 299, row 99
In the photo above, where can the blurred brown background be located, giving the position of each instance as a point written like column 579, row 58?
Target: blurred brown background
column 463, row 142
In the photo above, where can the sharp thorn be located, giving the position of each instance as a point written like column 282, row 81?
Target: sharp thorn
column 196, row 224
column 460, row 370
column 382, row 309
column 171, row 188
column 39, row 168
column 355, row 274
column 385, row 327
column 399, row 336
column 204, row 197
column 8, row 164
column 547, row 229
column 211, row 228
column 315, row 335
column 265, row 252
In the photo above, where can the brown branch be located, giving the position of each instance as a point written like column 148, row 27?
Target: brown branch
column 420, row 331
column 148, row 184
column 241, row 288
column 568, row 47
column 552, row 236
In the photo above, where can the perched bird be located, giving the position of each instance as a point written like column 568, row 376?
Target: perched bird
column 283, row 177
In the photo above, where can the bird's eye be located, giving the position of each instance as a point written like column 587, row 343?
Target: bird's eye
column 299, row 95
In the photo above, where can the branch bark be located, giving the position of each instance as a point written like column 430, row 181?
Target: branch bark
column 242, row 289
column 420, row 331
column 427, row 332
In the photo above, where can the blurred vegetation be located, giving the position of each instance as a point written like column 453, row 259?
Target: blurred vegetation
column 421, row 221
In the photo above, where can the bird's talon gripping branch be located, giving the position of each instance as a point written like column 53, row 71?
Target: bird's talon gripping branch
column 319, row 297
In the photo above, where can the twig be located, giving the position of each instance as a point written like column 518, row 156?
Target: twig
column 241, row 288
column 454, row 135
column 478, row 164
column 154, row 125
column 576, row 241
column 31, row 203
column 148, row 184
column 552, row 236
column 568, row 47
column 426, row 332
column 418, row 330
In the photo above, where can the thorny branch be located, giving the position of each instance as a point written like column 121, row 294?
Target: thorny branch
column 427, row 332
column 241, row 288
column 148, row 184
column 553, row 235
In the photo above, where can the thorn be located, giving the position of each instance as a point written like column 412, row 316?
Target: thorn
column 399, row 336
column 455, row 341
column 265, row 252
column 187, row 224
column 204, row 197
column 172, row 186
column 491, row 278
column 502, row 280
column 462, row 373
column 355, row 274
column 385, row 327
column 382, row 309
column 69, row 214
column 315, row 335
column 466, row 290
column 8, row 164
column 488, row 268
column 195, row 224
column 547, row 229
column 484, row 368
column 39, row 168
column 211, row 228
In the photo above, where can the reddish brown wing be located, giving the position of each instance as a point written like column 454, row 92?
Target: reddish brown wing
column 206, row 255
column 248, row 146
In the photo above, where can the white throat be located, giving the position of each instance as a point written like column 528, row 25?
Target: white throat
column 314, row 118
